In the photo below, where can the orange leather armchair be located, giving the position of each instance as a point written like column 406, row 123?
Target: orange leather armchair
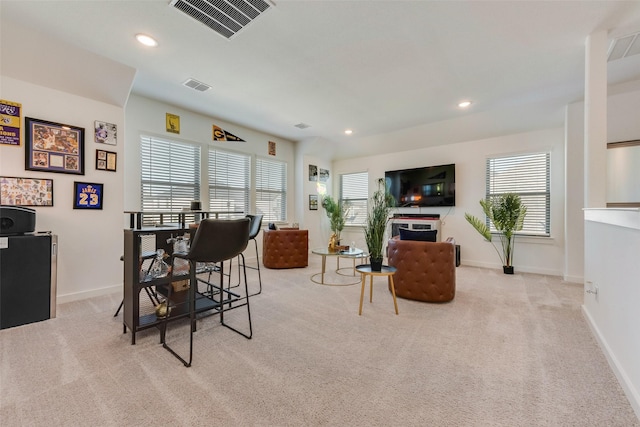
column 426, row 271
column 285, row 248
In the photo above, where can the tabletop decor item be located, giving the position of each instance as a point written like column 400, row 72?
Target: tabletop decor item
column 53, row 147
column 336, row 212
column 380, row 207
column 506, row 212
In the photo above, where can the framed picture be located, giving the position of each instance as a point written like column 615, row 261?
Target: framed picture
column 106, row 133
column 87, row 195
column 313, row 202
column 173, row 123
column 324, row 175
column 26, row 191
column 106, row 160
column 10, row 119
column 272, row 148
column 53, row 147
column 313, row 173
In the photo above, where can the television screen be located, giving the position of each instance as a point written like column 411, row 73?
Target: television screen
column 426, row 186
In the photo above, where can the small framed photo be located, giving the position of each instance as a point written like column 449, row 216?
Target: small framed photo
column 173, row 123
column 53, row 147
column 313, row 173
column 106, row 160
column 106, row 133
column 313, row 202
column 87, row 195
column 26, row 191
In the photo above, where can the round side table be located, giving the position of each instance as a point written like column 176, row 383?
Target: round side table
column 365, row 270
column 324, row 253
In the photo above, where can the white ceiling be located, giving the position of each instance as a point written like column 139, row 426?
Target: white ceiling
column 372, row 66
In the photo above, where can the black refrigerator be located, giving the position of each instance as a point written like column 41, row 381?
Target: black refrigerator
column 27, row 278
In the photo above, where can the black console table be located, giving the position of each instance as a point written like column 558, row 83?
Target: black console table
column 138, row 315
column 136, row 218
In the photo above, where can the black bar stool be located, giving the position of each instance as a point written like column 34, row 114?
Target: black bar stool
column 254, row 229
column 215, row 241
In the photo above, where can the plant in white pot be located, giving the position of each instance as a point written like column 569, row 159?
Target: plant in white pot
column 506, row 212
column 380, row 206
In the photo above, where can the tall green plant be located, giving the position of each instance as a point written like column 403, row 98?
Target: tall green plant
column 506, row 212
column 380, row 207
column 336, row 212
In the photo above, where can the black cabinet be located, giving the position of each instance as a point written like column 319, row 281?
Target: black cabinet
column 27, row 278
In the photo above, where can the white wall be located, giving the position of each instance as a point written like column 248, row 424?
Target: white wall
column 540, row 255
column 611, row 267
column 622, row 125
column 623, row 164
column 90, row 242
column 574, row 193
column 145, row 116
column 316, row 221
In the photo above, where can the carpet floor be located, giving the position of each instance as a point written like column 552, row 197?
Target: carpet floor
column 507, row 351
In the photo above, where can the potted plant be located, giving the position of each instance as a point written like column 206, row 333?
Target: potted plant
column 380, row 206
column 506, row 212
column 336, row 212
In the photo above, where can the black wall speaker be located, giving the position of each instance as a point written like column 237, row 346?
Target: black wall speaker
column 16, row 220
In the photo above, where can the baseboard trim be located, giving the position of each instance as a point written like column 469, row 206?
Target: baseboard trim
column 77, row 296
column 627, row 386
column 573, row 279
column 518, row 268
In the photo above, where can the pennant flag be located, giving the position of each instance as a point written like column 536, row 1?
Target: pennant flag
column 220, row 134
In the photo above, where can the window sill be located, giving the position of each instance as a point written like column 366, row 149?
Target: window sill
column 537, row 240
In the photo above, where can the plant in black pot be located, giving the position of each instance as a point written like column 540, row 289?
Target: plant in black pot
column 506, row 212
column 380, row 206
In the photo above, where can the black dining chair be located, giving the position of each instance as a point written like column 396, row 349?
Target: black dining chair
column 254, row 230
column 215, row 241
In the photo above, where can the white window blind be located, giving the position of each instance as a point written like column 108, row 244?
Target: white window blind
column 528, row 176
column 271, row 189
column 229, row 183
column 354, row 190
column 170, row 176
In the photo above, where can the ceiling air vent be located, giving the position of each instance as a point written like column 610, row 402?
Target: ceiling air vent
column 225, row 17
column 196, row 85
column 625, row 46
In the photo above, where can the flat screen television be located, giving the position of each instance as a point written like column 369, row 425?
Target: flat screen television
column 426, row 186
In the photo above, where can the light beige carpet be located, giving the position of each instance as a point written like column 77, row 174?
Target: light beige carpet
column 508, row 351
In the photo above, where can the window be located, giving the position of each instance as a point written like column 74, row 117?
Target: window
column 271, row 189
column 229, row 183
column 354, row 190
column 528, row 176
column 170, row 176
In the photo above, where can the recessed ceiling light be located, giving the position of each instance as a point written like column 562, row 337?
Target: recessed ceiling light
column 348, row 131
column 464, row 104
column 146, row 40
